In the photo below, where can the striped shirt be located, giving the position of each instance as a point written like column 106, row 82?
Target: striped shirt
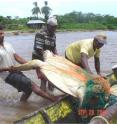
column 44, row 42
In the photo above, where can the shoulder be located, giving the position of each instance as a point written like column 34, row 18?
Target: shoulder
column 43, row 30
column 41, row 33
column 7, row 44
column 86, row 42
column 9, row 47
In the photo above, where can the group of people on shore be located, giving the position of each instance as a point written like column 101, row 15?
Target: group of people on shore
column 77, row 52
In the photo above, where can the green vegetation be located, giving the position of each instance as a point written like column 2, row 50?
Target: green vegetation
column 70, row 21
column 85, row 26
column 89, row 21
column 14, row 24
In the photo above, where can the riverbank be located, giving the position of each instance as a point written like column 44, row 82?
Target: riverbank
column 19, row 32
column 27, row 32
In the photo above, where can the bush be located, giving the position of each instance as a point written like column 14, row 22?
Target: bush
column 88, row 26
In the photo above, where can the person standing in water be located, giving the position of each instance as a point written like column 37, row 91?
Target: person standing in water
column 45, row 40
column 8, row 58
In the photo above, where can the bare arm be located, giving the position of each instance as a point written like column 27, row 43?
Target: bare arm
column 84, row 62
column 55, row 51
column 33, row 64
column 4, row 69
column 19, row 59
column 23, row 67
column 97, row 64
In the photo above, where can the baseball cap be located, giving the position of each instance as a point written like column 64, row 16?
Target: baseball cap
column 101, row 39
column 52, row 21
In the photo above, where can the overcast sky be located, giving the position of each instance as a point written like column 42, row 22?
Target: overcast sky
column 22, row 8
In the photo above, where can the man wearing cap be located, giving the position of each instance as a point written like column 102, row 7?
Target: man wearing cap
column 80, row 51
column 45, row 40
column 113, row 76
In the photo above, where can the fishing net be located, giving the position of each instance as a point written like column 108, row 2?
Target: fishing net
column 97, row 93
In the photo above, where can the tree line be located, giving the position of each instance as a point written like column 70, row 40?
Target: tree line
column 79, row 20
column 69, row 21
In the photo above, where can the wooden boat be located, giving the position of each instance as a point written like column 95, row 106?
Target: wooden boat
column 63, row 111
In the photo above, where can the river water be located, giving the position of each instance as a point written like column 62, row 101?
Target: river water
column 11, row 109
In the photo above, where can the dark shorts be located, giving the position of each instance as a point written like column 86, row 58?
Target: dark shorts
column 20, row 82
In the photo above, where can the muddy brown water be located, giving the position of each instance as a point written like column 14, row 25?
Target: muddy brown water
column 11, row 109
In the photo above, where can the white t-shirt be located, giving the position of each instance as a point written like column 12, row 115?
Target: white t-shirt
column 6, row 58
